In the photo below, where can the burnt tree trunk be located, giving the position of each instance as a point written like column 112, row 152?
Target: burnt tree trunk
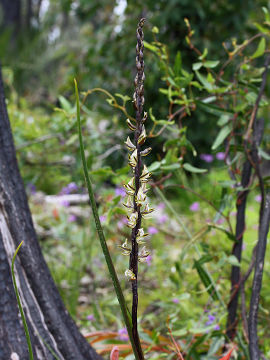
column 49, row 323
column 11, row 13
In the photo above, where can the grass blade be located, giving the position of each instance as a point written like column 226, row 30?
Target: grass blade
column 31, row 357
column 117, row 287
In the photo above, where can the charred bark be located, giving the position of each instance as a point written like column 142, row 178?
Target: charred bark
column 11, row 13
column 254, row 350
column 51, row 328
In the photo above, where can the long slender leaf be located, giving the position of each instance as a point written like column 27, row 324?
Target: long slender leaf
column 206, row 280
column 31, row 356
column 117, row 287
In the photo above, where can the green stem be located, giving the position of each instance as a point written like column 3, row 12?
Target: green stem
column 116, row 284
column 31, row 356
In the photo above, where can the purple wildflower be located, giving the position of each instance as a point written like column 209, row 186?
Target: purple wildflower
column 258, row 198
column 194, row 206
column 90, row 317
column 123, row 221
column 220, row 221
column 64, row 203
column 123, row 334
column 102, row 218
column 148, row 260
column 152, row 230
column 72, row 187
column 162, row 218
column 120, row 191
column 64, row 191
column 175, row 300
column 207, row 157
column 161, row 206
column 120, row 224
column 211, row 319
column 31, row 188
column 72, row 218
column 217, row 327
column 220, row 156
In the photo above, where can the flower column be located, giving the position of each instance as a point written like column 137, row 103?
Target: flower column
column 136, row 188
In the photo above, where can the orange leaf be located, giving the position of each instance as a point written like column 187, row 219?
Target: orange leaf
column 55, row 214
column 101, row 333
column 114, row 353
column 227, row 356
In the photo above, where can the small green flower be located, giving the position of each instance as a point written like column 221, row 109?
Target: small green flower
column 146, row 213
column 129, row 203
column 144, row 117
column 125, row 248
column 132, row 219
column 140, row 197
column 141, row 236
column 130, row 145
column 130, row 275
column 146, row 175
column 144, row 188
column 129, row 187
column 142, row 136
column 146, row 151
column 131, row 126
column 133, row 158
column 143, row 254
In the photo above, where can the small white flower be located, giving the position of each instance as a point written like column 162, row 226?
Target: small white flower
column 140, row 197
column 143, row 254
column 141, row 236
column 146, row 213
column 133, row 158
column 125, row 248
column 129, row 187
column 146, row 151
column 144, row 187
column 129, row 144
column 146, row 175
column 142, row 136
column 144, row 117
column 130, row 275
column 130, row 125
column 132, row 219
column 129, row 203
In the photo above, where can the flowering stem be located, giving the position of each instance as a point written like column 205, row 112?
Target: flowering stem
column 103, row 243
column 138, row 104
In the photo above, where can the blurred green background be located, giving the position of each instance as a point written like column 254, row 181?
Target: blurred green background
column 44, row 45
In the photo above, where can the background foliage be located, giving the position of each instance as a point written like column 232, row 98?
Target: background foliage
column 41, row 52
